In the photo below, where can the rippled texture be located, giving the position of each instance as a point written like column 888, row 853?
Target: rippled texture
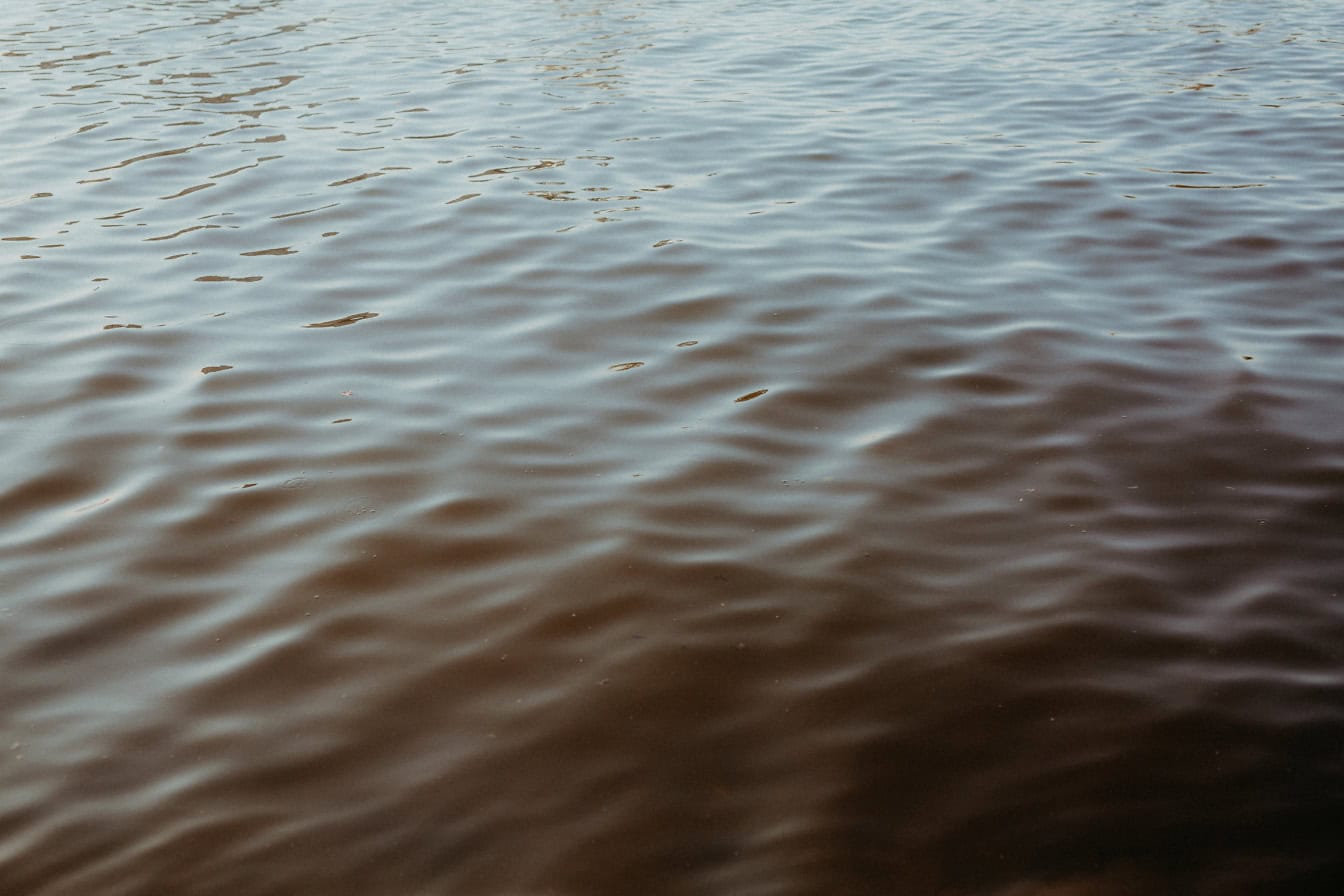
column 588, row 447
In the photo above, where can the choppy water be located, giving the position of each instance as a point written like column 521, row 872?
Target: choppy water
column 672, row 447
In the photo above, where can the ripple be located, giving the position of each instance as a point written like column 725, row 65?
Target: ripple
column 344, row 321
column 1021, row 576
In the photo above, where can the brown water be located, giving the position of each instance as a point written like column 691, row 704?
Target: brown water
column 671, row 447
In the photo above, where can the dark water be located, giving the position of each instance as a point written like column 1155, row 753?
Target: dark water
column 672, row 447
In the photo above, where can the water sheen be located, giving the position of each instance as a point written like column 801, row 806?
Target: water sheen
column 607, row 446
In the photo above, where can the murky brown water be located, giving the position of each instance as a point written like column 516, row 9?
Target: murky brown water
column 673, row 447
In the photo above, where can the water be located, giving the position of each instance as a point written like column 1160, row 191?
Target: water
column 687, row 447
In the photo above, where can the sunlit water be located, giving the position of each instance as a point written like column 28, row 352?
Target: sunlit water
column 671, row 447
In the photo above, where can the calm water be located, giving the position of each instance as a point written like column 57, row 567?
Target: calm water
column 704, row 447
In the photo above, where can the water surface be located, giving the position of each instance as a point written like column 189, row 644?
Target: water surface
column 589, row 447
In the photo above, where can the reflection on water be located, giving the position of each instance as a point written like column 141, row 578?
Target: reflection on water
column 344, row 321
column 788, row 448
